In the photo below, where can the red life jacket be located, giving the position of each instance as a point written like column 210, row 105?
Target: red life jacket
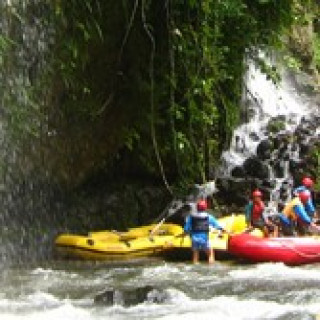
column 257, row 210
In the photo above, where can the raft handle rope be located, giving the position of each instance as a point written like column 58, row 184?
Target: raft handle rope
column 302, row 254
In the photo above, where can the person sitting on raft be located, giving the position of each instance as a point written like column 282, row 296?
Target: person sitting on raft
column 255, row 215
column 307, row 184
column 293, row 211
column 198, row 225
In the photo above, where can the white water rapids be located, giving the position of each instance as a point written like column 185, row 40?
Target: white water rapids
column 223, row 291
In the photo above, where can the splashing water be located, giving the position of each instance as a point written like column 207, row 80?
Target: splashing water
column 222, row 291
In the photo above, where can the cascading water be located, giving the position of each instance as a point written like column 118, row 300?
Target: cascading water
column 265, row 149
column 25, row 39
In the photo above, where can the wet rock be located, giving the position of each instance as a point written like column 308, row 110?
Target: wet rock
column 254, row 167
column 240, row 145
column 238, row 172
column 130, row 297
column 235, row 191
column 305, row 148
column 281, row 141
column 264, row 149
column 266, row 192
column 285, row 191
column 269, row 184
column 294, row 147
column 279, row 169
column 283, row 149
column 294, row 165
column 254, row 136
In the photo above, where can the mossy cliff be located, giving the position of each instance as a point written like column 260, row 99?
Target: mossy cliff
column 143, row 91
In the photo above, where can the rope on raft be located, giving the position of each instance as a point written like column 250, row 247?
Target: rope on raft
column 302, row 254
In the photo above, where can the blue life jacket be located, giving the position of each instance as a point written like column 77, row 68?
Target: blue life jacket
column 200, row 224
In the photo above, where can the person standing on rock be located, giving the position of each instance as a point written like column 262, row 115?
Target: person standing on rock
column 255, row 216
column 198, row 225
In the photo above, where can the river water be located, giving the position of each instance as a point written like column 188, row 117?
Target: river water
column 225, row 290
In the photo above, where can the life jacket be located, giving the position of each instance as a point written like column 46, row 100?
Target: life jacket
column 257, row 210
column 200, row 223
column 288, row 210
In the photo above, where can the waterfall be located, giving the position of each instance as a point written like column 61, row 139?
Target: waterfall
column 265, row 147
column 25, row 39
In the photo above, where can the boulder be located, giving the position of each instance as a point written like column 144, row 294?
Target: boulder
column 130, row 296
column 238, row 172
column 264, row 149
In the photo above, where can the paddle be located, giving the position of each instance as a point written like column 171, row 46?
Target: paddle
column 202, row 191
column 171, row 209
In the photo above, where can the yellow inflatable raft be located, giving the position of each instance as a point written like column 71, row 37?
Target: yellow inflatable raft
column 114, row 245
column 150, row 240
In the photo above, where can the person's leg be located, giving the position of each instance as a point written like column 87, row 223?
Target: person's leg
column 195, row 256
column 265, row 231
column 275, row 231
column 210, row 253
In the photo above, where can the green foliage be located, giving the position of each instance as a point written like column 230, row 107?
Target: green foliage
column 292, row 63
column 269, row 70
column 315, row 156
column 149, row 87
column 276, row 125
column 211, row 41
column 317, row 50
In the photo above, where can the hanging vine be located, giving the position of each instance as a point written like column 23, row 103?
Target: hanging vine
column 122, row 74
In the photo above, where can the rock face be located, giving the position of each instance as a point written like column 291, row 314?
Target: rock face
column 131, row 296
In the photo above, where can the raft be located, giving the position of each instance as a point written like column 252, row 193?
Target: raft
column 289, row 250
column 114, row 245
column 164, row 240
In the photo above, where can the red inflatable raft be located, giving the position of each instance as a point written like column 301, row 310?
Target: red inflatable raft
column 289, row 250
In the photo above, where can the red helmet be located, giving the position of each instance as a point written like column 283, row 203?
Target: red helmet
column 256, row 193
column 307, row 182
column 304, row 196
column 202, row 205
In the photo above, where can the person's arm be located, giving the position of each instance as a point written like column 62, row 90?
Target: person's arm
column 265, row 217
column 284, row 219
column 297, row 190
column 310, row 209
column 214, row 223
column 248, row 210
column 306, row 218
column 302, row 214
column 187, row 225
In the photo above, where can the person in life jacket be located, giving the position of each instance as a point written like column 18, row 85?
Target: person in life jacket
column 255, row 215
column 198, row 225
column 307, row 184
column 293, row 211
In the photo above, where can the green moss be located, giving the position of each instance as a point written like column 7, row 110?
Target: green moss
column 276, row 125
